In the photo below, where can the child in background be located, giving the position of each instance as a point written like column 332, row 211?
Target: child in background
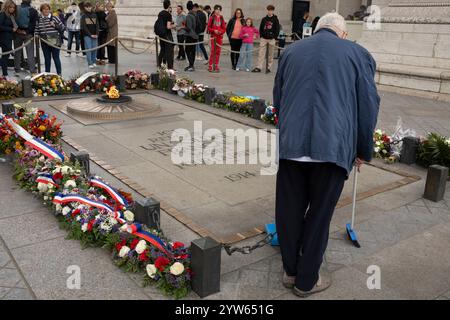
column 248, row 35
column 216, row 28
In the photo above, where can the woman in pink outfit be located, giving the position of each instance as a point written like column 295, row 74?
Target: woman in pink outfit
column 248, row 35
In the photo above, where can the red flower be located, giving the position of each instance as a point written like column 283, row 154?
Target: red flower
column 57, row 176
column 75, row 212
column 161, row 263
column 177, row 245
column 134, row 243
column 143, row 256
column 90, row 225
column 120, row 244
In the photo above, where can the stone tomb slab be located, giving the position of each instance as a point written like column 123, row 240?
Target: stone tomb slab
column 224, row 199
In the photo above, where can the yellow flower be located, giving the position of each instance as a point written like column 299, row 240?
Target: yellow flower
column 42, row 128
column 8, row 151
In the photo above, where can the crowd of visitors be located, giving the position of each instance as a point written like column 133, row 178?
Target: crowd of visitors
column 88, row 25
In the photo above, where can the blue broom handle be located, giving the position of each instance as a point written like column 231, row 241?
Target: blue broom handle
column 355, row 183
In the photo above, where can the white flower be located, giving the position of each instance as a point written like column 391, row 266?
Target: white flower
column 70, row 184
column 129, row 216
column 66, row 170
column 141, row 246
column 124, row 251
column 177, row 268
column 377, row 150
column 45, row 198
column 151, row 270
column 78, row 218
column 378, row 143
column 84, row 227
column 379, row 132
column 66, row 211
column 57, row 170
column 58, row 207
column 42, row 159
column 384, row 151
column 42, row 187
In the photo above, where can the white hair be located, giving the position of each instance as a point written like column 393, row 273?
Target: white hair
column 332, row 20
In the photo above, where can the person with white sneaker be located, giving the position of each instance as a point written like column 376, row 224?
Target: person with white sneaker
column 73, row 18
column 90, row 28
column 327, row 105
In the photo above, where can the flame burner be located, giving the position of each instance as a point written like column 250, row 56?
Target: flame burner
column 120, row 100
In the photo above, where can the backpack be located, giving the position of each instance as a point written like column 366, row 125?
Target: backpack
column 160, row 28
column 23, row 17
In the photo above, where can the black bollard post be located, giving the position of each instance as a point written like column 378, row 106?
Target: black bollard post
column 259, row 108
column 38, row 54
column 121, row 82
column 8, row 109
column 409, row 150
column 267, row 57
column 154, row 79
column 170, row 85
column 148, row 212
column 210, row 94
column 436, row 181
column 116, row 65
column 27, row 90
column 82, row 158
column 157, row 52
column 205, row 262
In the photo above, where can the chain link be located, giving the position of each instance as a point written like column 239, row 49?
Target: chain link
column 249, row 249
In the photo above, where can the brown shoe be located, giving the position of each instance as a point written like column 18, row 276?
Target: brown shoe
column 288, row 281
column 322, row 284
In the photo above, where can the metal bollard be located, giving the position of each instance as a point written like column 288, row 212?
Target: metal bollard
column 210, row 94
column 37, row 43
column 8, row 109
column 116, row 65
column 409, row 150
column 267, row 57
column 121, row 82
column 27, row 90
column 436, row 182
column 157, row 51
column 259, row 108
column 83, row 159
column 214, row 54
column 205, row 262
column 154, row 79
column 148, row 212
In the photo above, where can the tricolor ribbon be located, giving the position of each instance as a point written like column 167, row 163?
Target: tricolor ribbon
column 46, row 179
column 110, row 190
column 34, row 142
column 136, row 230
column 63, row 199
column 119, row 217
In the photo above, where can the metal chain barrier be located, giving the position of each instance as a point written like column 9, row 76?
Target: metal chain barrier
column 249, row 249
column 135, row 52
column 182, row 44
column 17, row 49
column 79, row 51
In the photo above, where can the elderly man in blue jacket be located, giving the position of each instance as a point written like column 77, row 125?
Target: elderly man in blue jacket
column 328, row 107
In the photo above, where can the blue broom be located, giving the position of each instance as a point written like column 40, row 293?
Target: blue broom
column 351, row 233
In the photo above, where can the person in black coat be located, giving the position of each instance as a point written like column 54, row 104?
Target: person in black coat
column 103, row 32
column 8, row 26
column 234, row 27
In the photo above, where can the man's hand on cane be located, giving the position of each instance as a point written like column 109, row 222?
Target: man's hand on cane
column 359, row 163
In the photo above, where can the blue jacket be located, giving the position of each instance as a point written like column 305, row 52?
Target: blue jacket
column 327, row 100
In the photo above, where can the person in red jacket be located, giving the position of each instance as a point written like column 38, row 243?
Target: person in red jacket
column 216, row 28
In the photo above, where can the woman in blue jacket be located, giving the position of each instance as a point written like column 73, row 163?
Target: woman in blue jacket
column 8, row 26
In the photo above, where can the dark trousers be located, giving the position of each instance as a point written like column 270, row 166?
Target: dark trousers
column 236, row 45
column 307, row 194
column 181, row 51
column 111, row 54
column 83, row 47
column 49, row 53
column 102, row 40
column 6, row 45
column 71, row 35
column 190, row 50
column 201, row 46
column 166, row 54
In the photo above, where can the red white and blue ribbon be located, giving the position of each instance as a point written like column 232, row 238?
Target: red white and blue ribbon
column 34, row 142
column 46, row 179
column 110, row 190
column 119, row 217
column 63, row 199
column 136, row 230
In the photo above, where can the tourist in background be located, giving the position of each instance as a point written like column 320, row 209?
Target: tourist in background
column 234, row 28
column 322, row 134
column 202, row 19
column 167, row 25
column 82, row 11
column 50, row 28
column 191, row 35
column 90, row 27
column 113, row 31
column 208, row 11
column 281, row 41
column 268, row 30
column 27, row 18
column 216, row 28
column 102, row 32
column 73, row 18
column 8, row 27
column 297, row 29
column 248, row 35
column 180, row 22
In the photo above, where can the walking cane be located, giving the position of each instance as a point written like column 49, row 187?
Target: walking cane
column 351, row 226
